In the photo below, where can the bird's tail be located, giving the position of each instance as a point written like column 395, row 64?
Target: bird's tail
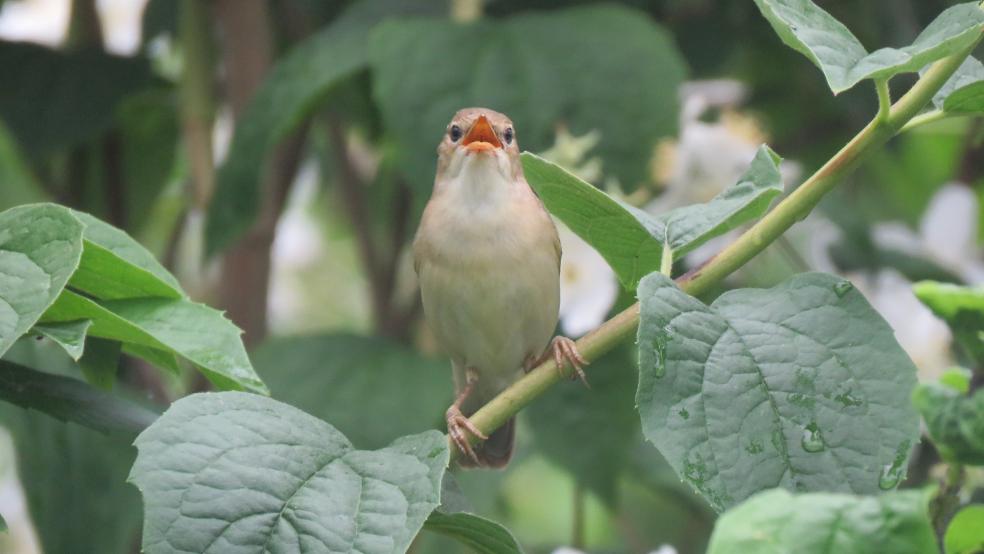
column 497, row 450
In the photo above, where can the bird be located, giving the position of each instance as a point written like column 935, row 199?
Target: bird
column 487, row 257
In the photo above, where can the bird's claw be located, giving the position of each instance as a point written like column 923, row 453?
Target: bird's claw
column 458, row 426
column 565, row 350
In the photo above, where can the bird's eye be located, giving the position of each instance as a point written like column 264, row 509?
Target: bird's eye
column 508, row 135
column 455, row 133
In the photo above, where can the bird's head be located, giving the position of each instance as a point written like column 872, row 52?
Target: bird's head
column 478, row 139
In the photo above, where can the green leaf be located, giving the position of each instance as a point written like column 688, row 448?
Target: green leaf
column 70, row 335
column 801, row 386
column 965, row 535
column 74, row 480
column 777, row 521
column 341, row 378
column 590, row 432
column 71, row 400
column 686, row 228
column 813, row 32
column 40, row 247
column 244, row 473
column 292, row 91
column 116, row 266
column 194, row 331
column 456, row 519
column 57, row 101
column 3, row 524
column 581, row 66
column 962, row 308
column 955, row 421
column 631, row 240
column 968, row 79
column 101, row 362
column 154, row 356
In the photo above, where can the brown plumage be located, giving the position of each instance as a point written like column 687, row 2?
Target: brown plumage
column 487, row 257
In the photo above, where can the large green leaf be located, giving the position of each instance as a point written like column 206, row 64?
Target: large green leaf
column 590, row 432
column 813, row 32
column 63, row 98
column 456, row 518
column 776, row 521
column 608, row 68
column 40, row 247
column 3, row 524
column 631, row 240
column 954, row 420
column 291, row 91
column 965, row 534
column 801, row 386
column 116, row 266
column 962, row 308
column 74, row 480
column 194, row 331
column 71, row 400
column 234, row 472
column 341, row 378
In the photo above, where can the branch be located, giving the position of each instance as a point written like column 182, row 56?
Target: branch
column 791, row 209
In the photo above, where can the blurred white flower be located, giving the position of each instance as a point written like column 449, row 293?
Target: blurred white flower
column 40, row 21
column 588, row 288
column 571, row 153
column 122, row 24
column 924, row 337
column 46, row 22
column 947, row 233
column 664, row 549
column 708, row 157
column 568, row 550
column 20, row 536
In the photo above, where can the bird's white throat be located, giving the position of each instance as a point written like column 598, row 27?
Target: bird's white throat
column 480, row 182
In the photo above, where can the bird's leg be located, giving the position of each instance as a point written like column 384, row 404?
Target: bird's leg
column 458, row 424
column 563, row 350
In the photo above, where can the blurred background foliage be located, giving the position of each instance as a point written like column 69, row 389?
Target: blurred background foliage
column 276, row 154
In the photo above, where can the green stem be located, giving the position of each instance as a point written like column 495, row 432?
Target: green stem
column 577, row 525
column 791, row 209
column 666, row 262
column 925, row 119
column 946, row 502
column 195, row 94
column 884, row 99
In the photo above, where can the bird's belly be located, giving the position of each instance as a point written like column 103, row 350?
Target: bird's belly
column 491, row 314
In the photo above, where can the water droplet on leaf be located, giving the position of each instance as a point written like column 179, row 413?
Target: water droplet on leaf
column 892, row 473
column 812, row 439
column 842, row 288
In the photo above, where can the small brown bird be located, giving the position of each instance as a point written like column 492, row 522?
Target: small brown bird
column 488, row 260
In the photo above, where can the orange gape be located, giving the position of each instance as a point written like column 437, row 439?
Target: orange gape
column 481, row 136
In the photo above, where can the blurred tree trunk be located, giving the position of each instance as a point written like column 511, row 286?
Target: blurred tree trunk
column 247, row 54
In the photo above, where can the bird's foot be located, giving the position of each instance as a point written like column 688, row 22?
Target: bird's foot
column 458, row 428
column 564, row 351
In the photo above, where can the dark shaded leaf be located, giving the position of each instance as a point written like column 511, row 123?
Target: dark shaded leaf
column 71, row 400
column 373, row 390
column 58, row 100
column 580, row 67
column 289, row 94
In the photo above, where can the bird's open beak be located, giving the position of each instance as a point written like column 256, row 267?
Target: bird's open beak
column 481, row 137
